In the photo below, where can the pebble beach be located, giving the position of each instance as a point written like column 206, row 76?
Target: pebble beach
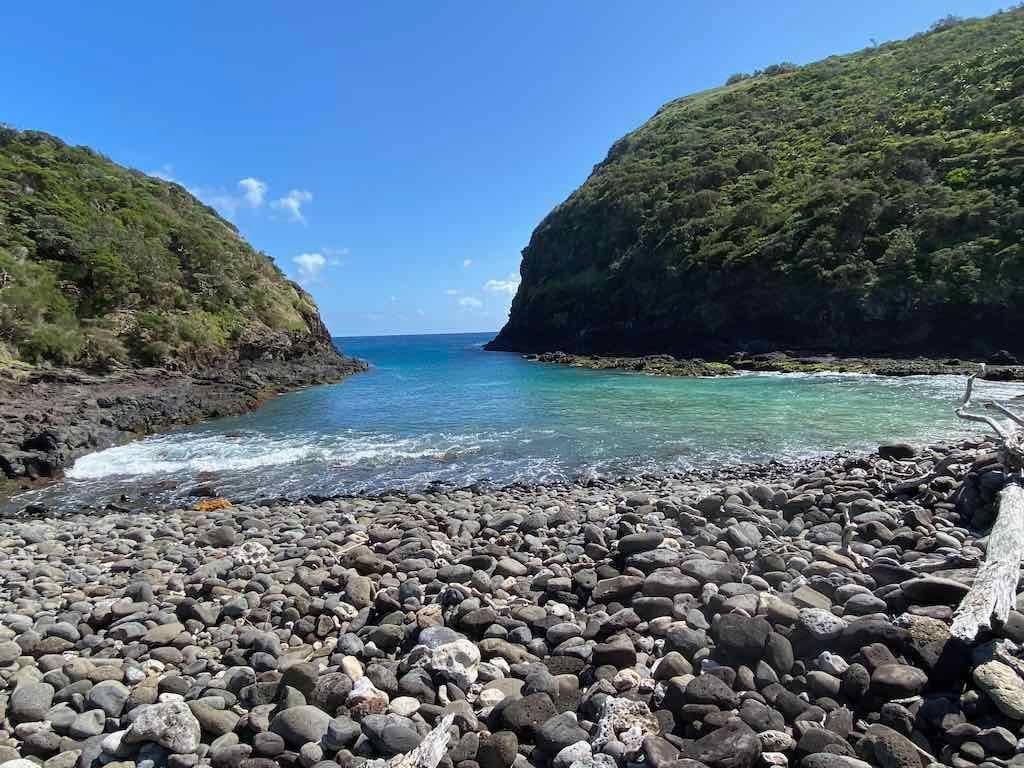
column 775, row 616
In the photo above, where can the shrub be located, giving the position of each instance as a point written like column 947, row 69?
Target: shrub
column 102, row 350
column 58, row 343
column 92, row 239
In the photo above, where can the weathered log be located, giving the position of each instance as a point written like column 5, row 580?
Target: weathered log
column 430, row 751
column 994, row 591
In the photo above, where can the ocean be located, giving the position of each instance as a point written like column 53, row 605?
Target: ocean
column 439, row 409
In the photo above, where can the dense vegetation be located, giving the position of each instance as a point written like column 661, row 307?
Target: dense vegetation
column 867, row 202
column 101, row 265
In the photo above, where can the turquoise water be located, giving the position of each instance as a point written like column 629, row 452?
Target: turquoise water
column 440, row 409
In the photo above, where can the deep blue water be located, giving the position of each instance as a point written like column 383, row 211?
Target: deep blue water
column 439, row 408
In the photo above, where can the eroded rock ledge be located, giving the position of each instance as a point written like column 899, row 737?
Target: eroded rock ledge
column 50, row 417
column 783, row 362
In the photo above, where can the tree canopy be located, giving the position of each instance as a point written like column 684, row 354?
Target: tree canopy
column 869, row 202
column 102, row 265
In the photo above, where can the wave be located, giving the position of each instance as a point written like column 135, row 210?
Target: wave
column 176, row 453
column 827, row 375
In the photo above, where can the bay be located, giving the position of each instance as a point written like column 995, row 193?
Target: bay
column 440, row 409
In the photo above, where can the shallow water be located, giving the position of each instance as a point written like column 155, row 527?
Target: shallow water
column 440, row 409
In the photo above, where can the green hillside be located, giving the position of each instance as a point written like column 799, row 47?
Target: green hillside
column 101, row 265
column 869, row 202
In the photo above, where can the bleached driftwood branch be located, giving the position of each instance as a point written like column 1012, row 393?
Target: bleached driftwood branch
column 913, row 483
column 430, row 751
column 994, row 591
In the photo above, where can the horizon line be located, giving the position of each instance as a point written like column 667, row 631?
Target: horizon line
column 430, row 333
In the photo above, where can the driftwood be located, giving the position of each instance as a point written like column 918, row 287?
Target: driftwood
column 994, row 591
column 430, row 751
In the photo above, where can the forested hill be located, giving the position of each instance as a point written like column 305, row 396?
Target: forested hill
column 870, row 202
column 101, row 265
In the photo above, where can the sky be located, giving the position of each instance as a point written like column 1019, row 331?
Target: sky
column 395, row 157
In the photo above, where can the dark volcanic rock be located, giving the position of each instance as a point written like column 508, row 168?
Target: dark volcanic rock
column 734, row 745
column 89, row 411
column 742, row 638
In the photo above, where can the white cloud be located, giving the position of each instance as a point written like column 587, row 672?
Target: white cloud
column 452, row 291
column 467, row 263
column 470, row 302
column 292, row 204
column 508, row 286
column 251, row 193
column 310, row 265
column 254, row 191
column 166, row 172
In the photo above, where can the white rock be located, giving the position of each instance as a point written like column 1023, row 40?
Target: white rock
column 626, row 679
column 488, row 672
column 457, row 661
column 170, row 724
column 561, row 610
column 1003, row 686
column 250, row 553
column 351, row 666
column 569, row 755
column 626, row 721
column 405, row 706
column 822, row 624
column 366, row 699
column 490, row 697
column 596, row 761
column 707, row 592
column 832, row 663
column 113, row 744
column 776, row 741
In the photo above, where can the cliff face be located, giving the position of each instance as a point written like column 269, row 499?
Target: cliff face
column 103, row 266
column 868, row 203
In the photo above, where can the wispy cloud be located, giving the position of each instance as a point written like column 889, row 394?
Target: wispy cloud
column 508, row 286
column 166, row 172
column 310, row 266
column 467, row 263
column 470, row 302
column 251, row 193
column 452, row 291
column 254, row 191
column 291, row 204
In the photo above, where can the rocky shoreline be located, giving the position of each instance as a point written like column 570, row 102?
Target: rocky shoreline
column 793, row 616
column 1001, row 368
column 50, row 417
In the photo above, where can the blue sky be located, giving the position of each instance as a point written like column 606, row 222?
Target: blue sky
column 395, row 157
